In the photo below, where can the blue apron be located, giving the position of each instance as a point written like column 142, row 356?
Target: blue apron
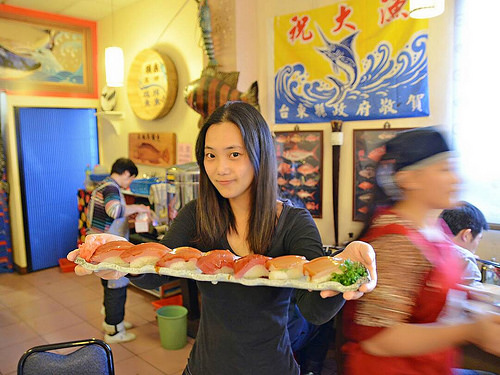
column 119, row 227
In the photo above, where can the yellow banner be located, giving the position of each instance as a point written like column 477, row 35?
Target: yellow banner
column 354, row 60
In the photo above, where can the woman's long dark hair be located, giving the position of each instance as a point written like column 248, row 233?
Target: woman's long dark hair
column 214, row 215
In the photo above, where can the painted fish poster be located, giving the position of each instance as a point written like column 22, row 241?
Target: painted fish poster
column 300, row 159
column 353, row 60
column 369, row 146
column 156, row 149
column 47, row 54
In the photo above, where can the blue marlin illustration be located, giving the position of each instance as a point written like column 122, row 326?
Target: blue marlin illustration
column 13, row 65
column 341, row 56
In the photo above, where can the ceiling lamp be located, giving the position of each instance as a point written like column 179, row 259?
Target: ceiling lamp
column 113, row 60
column 426, row 8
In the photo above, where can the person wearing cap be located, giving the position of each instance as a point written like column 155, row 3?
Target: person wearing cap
column 399, row 328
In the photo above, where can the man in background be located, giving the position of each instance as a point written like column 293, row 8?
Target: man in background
column 466, row 223
column 108, row 213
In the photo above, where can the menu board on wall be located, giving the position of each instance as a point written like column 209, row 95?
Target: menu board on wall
column 156, row 149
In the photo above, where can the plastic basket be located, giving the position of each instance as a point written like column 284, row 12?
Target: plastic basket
column 174, row 300
column 65, row 265
column 142, row 186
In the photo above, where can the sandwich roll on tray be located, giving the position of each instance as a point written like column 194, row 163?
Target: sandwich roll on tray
column 216, row 261
column 93, row 241
column 251, row 266
column 286, row 267
column 111, row 252
column 145, row 253
column 181, row 258
column 290, row 271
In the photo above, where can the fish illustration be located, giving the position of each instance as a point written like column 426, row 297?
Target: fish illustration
column 361, row 155
column 295, row 182
column 305, row 194
column 296, row 138
column 282, row 138
column 311, row 182
column 312, row 206
column 213, row 89
column 367, row 172
column 386, row 136
column 363, row 209
column 307, row 168
column 296, row 154
column 342, row 57
column 24, row 49
column 376, row 153
column 146, row 152
column 312, row 138
column 284, row 168
column 282, row 181
column 366, row 197
column 365, row 185
column 15, row 66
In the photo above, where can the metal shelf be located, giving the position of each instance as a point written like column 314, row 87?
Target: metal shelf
column 115, row 115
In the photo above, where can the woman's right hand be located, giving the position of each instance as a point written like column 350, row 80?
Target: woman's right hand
column 81, row 271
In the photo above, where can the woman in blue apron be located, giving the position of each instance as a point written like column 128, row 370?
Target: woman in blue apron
column 108, row 213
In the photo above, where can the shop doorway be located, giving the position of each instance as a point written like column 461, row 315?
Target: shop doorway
column 54, row 147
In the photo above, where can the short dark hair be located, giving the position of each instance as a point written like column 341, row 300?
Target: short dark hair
column 465, row 216
column 214, row 214
column 124, row 164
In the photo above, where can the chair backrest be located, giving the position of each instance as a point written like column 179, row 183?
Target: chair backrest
column 94, row 357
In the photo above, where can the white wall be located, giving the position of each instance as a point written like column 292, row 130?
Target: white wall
column 137, row 27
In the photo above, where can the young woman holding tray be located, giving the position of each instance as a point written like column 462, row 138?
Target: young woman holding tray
column 243, row 330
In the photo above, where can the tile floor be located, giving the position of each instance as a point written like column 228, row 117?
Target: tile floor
column 50, row 306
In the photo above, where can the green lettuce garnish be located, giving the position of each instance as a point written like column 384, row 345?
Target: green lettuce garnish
column 351, row 272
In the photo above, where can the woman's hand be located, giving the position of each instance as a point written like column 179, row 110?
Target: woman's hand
column 362, row 252
column 105, row 274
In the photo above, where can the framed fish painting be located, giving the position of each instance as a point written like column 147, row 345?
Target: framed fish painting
column 368, row 149
column 47, row 54
column 155, row 149
column 300, row 168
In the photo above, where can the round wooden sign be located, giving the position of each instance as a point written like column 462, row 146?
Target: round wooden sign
column 151, row 84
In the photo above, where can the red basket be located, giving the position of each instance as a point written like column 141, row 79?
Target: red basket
column 174, row 300
column 65, row 265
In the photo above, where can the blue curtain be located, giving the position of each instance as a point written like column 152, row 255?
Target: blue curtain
column 54, row 145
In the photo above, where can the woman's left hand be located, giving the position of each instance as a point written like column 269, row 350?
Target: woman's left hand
column 362, row 252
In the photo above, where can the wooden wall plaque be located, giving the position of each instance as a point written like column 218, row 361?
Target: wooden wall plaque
column 152, row 84
column 157, row 149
